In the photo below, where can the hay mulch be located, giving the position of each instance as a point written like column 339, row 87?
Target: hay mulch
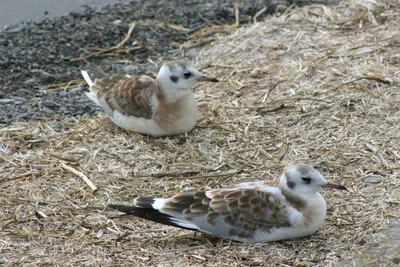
column 318, row 85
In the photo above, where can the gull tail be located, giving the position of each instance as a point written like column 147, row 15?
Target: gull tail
column 148, row 212
column 91, row 73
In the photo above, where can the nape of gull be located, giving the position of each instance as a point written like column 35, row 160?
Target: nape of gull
column 249, row 212
column 157, row 107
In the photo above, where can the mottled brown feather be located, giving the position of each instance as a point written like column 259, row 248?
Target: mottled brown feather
column 211, row 216
column 200, row 195
column 206, row 201
column 296, row 202
column 184, row 198
column 232, row 205
column 233, row 195
column 243, row 210
column 129, row 96
column 198, row 207
column 245, row 200
column 144, row 202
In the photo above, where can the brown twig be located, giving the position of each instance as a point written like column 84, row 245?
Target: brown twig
column 237, row 13
column 282, row 156
column 118, row 46
column 378, row 155
column 81, row 175
column 258, row 14
column 4, row 83
column 188, row 46
column 304, row 98
column 218, row 174
column 62, row 86
column 376, row 77
column 264, row 111
column 19, row 176
column 373, row 77
column 9, row 161
column 170, row 174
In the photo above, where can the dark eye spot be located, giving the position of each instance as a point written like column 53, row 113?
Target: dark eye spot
column 290, row 184
column 187, row 75
column 174, row 79
column 306, row 180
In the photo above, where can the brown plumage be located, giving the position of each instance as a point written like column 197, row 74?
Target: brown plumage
column 129, row 96
column 162, row 106
column 249, row 212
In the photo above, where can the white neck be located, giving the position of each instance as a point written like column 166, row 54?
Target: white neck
column 172, row 95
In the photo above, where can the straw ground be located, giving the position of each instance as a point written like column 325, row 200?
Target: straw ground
column 318, row 85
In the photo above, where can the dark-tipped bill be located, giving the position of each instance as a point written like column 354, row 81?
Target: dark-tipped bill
column 334, row 186
column 205, row 78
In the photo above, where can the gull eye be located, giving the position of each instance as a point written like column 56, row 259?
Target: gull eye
column 187, row 74
column 306, row 180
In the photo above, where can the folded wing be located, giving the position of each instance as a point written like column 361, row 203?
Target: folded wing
column 129, row 96
column 228, row 213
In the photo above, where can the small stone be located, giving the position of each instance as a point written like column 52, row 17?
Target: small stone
column 102, row 11
column 49, row 103
column 65, row 58
column 47, row 110
column 75, row 89
column 42, row 73
column 131, row 70
column 117, row 22
column 15, row 30
column 19, row 98
column 31, row 81
column 396, row 260
column 372, row 178
column 6, row 101
column 191, row 52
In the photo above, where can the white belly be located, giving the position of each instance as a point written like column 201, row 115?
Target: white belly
column 138, row 125
column 182, row 122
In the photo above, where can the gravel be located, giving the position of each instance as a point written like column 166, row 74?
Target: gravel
column 37, row 54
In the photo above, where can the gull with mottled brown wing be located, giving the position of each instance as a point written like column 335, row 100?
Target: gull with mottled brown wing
column 249, row 212
column 157, row 107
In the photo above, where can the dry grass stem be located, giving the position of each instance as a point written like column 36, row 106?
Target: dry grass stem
column 81, row 175
column 108, row 50
column 237, row 13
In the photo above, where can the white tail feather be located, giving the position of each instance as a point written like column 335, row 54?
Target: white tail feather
column 159, row 203
column 184, row 223
column 87, row 78
column 92, row 96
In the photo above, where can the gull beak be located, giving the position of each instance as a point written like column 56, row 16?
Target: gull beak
column 335, row 186
column 205, row 78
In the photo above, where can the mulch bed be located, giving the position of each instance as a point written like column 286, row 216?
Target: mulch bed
column 318, row 85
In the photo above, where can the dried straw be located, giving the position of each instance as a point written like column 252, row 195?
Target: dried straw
column 318, row 85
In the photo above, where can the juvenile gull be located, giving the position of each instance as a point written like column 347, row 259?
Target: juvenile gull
column 249, row 212
column 157, row 107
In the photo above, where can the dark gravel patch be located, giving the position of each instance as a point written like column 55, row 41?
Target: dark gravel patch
column 37, row 54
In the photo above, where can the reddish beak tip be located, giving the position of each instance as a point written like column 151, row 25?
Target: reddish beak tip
column 335, row 186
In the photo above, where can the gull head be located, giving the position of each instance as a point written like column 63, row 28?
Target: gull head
column 302, row 179
column 178, row 75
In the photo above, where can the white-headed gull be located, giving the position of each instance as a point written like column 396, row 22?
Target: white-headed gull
column 249, row 212
column 157, row 107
